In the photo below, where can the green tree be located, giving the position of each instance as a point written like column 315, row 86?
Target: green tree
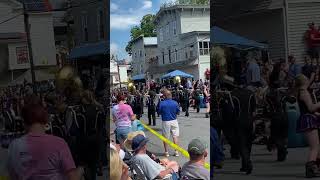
column 146, row 29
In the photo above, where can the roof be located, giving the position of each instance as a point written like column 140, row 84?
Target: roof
column 230, row 8
column 184, row 35
column 150, row 41
column 177, row 7
column 37, row 5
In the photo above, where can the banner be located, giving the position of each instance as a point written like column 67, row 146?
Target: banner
column 22, row 55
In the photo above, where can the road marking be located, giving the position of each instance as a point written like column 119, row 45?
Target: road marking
column 174, row 146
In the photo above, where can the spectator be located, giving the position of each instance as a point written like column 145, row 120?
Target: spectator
column 313, row 40
column 118, row 169
column 37, row 155
column 194, row 169
column 294, row 69
column 308, row 70
column 122, row 117
column 253, row 73
column 169, row 110
column 150, row 168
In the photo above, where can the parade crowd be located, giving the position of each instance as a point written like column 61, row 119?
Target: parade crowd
column 54, row 129
column 258, row 103
column 130, row 156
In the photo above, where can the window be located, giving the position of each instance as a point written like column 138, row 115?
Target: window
column 100, row 25
column 135, row 55
column 163, row 57
column 176, row 54
column 85, row 27
column 191, row 50
column 140, row 53
column 204, row 48
column 186, row 54
column 174, row 27
column 169, row 56
column 168, row 31
column 161, row 34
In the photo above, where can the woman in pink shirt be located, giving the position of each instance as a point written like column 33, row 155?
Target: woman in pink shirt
column 37, row 155
column 122, row 117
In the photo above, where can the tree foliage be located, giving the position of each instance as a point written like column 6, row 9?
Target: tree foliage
column 146, row 29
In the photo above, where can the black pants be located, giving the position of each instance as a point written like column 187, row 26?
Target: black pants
column 279, row 132
column 245, row 138
column 152, row 116
column 197, row 104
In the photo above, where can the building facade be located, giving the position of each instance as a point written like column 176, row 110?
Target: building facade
column 279, row 23
column 183, row 40
column 90, row 53
column 14, row 54
column 143, row 49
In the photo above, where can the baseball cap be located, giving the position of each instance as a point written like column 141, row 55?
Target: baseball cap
column 128, row 141
column 197, row 146
column 138, row 142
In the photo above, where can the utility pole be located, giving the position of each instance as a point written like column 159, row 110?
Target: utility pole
column 27, row 29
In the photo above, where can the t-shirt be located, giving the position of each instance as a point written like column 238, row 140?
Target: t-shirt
column 122, row 113
column 253, row 73
column 169, row 110
column 150, row 168
column 39, row 156
column 194, row 171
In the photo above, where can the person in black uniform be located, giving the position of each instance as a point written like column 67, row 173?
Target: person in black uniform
column 185, row 95
column 279, row 124
column 244, row 99
column 151, row 108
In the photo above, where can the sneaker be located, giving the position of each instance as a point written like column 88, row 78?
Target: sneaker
column 176, row 154
column 166, row 154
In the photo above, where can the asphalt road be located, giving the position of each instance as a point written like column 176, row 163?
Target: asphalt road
column 194, row 126
column 265, row 166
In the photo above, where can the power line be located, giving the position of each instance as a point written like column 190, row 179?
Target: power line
column 53, row 10
column 7, row 20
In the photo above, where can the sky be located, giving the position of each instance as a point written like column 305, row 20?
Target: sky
column 124, row 15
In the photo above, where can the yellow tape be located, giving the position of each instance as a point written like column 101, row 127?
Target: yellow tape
column 4, row 178
column 174, row 146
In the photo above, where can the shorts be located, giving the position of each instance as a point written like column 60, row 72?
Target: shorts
column 122, row 134
column 313, row 52
column 170, row 127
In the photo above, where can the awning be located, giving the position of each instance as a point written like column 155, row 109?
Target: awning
column 221, row 37
column 138, row 77
column 177, row 73
column 88, row 50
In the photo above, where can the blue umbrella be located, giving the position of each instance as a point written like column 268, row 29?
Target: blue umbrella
column 222, row 37
column 177, row 73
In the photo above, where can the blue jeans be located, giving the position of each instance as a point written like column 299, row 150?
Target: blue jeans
column 122, row 133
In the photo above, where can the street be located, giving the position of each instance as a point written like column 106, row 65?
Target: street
column 265, row 166
column 194, row 126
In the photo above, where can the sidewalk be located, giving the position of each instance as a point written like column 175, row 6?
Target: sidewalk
column 265, row 166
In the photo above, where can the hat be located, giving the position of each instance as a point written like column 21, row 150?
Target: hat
column 138, row 142
column 197, row 146
column 128, row 141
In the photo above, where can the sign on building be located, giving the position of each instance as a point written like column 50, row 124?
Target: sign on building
column 22, row 55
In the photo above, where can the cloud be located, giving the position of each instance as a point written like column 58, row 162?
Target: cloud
column 114, row 7
column 146, row 5
column 167, row 1
column 114, row 48
column 123, row 22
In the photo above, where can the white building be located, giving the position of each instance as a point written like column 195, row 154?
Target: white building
column 143, row 49
column 279, row 23
column 14, row 58
column 183, row 33
column 118, row 73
